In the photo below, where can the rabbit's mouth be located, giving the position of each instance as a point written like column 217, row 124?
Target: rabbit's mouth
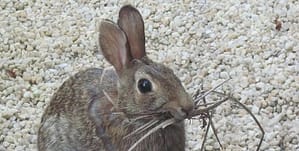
column 176, row 111
column 168, row 114
column 178, row 114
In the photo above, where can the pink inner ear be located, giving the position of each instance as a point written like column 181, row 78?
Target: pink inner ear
column 124, row 57
column 130, row 21
column 113, row 43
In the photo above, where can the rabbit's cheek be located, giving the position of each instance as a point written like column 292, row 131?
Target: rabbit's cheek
column 152, row 103
column 158, row 103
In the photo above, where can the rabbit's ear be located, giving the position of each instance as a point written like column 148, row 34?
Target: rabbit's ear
column 113, row 43
column 130, row 21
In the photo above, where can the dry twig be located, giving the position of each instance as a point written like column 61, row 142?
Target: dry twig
column 201, row 111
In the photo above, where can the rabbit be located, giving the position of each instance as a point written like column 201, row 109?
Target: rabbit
column 93, row 110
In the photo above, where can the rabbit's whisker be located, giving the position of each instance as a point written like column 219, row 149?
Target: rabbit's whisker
column 114, row 113
column 144, row 114
column 200, row 105
column 153, row 130
column 140, row 117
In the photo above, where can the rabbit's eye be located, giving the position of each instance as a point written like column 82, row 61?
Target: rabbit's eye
column 144, row 85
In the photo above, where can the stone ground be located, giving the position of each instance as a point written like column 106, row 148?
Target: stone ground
column 253, row 42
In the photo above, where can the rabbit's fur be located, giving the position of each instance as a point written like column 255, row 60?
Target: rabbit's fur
column 92, row 110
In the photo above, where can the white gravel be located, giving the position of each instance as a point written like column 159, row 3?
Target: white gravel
column 44, row 42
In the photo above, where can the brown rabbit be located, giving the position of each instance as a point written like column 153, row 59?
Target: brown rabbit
column 96, row 109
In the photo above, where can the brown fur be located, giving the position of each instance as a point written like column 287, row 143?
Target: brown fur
column 91, row 110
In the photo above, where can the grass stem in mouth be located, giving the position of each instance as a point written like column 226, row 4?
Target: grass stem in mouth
column 153, row 130
column 201, row 110
column 143, row 127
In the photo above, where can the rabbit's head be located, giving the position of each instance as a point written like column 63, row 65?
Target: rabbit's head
column 144, row 86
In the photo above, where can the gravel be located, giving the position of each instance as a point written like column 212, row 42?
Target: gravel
column 253, row 42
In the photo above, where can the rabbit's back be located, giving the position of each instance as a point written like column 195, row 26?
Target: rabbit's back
column 65, row 124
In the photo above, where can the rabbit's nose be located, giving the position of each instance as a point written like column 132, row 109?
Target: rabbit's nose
column 179, row 113
column 188, row 107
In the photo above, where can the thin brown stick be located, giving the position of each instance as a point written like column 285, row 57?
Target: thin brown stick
column 215, row 131
column 200, row 105
column 251, row 114
column 210, row 124
column 204, row 110
column 254, row 118
column 199, row 111
column 210, row 91
column 205, row 137
column 207, row 130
